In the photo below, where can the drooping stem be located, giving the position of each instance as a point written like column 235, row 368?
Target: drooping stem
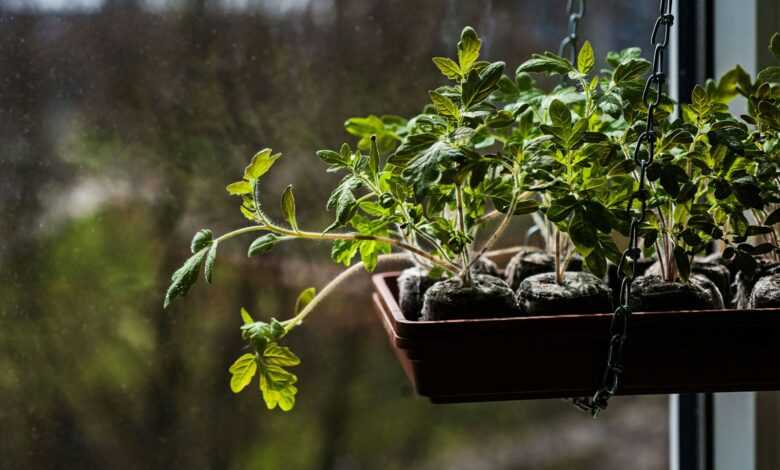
column 454, row 269
column 334, row 284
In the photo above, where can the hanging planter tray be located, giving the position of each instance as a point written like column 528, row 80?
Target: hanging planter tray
column 564, row 355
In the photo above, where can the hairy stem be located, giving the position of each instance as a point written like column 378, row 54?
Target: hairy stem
column 466, row 273
column 334, row 284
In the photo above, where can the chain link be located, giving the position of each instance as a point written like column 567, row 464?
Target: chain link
column 570, row 43
column 618, row 329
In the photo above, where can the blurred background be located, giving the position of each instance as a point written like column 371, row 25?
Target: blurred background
column 121, row 121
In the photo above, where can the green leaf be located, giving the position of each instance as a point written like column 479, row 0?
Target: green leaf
column 583, row 235
column 444, row 105
column 597, row 263
column 211, row 258
column 769, row 75
column 560, row 208
column 683, row 263
column 343, row 201
column 528, row 206
column 585, row 58
column 334, row 159
column 263, row 244
column 242, row 371
column 288, row 207
column 239, row 188
column 560, row 114
column 370, row 251
column 478, row 87
column 277, row 386
column 468, row 49
column 184, row 277
column 448, row 67
column 275, row 355
column 630, row 70
column 246, row 317
column 201, row 240
column 774, row 45
column 304, row 298
column 547, row 63
column 773, row 218
column 260, row 164
column 343, row 251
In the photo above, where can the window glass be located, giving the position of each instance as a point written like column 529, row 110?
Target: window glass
column 122, row 121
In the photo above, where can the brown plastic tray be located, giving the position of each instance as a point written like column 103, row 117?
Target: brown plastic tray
column 563, row 356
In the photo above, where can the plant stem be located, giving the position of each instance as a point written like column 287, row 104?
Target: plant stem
column 466, row 273
column 333, row 284
column 558, row 274
column 341, row 236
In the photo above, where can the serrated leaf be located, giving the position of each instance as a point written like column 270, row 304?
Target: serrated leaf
column 262, row 244
column 630, row 70
column 586, row 59
column 288, row 207
column 597, row 263
column 242, row 371
column 560, row 114
column 444, row 106
column 583, row 235
column 548, row 63
column 334, row 159
column 211, row 258
column 239, row 188
column 277, row 387
column 260, row 164
column 682, row 262
column 370, row 251
column 282, row 356
column 343, row 251
column 448, row 67
column 201, row 240
column 246, row 317
column 773, row 218
column 184, row 277
column 478, row 86
column 774, row 45
column 468, row 49
column 304, row 298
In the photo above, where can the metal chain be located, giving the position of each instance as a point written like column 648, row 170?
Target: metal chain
column 570, row 43
column 651, row 96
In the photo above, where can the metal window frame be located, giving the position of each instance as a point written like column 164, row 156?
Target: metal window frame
column 718, row 431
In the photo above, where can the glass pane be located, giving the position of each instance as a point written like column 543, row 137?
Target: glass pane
column 122, row 121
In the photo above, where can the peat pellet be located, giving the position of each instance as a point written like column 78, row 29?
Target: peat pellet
column 486, row 297
column 708, row 267
column 766, row 292
column 528, row 262
column 652, row 294
column 579, row 293
column 412, row 284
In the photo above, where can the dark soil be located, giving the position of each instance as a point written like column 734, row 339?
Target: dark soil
column 580, row 292
column 652, row 294
column 486, row 297
column 527, row 262
column 766, row 292
column 744, row 283
column 412, row 284
column 708, row 267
